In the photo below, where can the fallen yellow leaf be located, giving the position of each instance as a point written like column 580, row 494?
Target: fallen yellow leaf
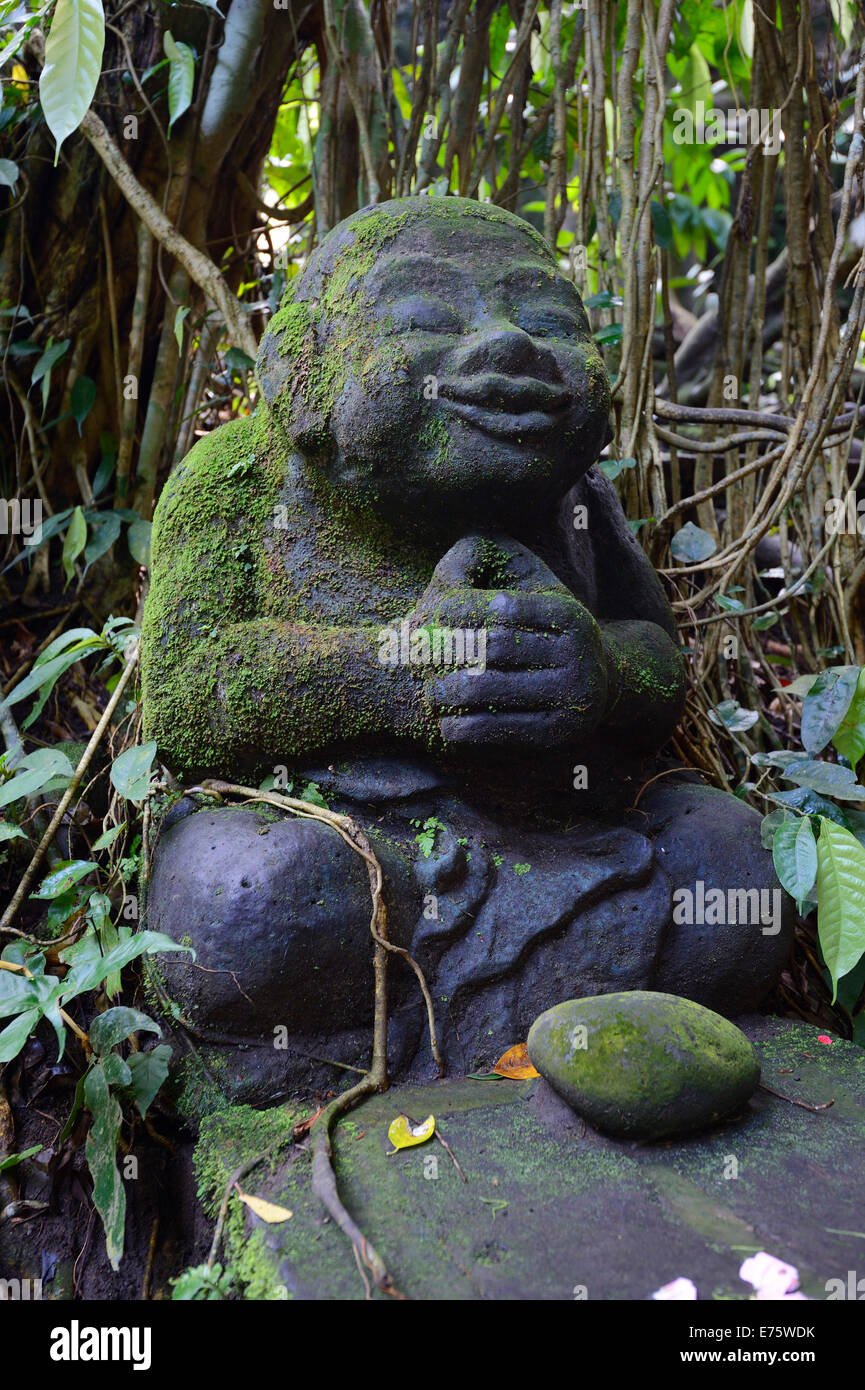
column 404, row 1136
column 515, row 1064
column 268, row 1211
column 20, row 80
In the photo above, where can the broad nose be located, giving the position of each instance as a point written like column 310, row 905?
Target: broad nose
column 500, row 346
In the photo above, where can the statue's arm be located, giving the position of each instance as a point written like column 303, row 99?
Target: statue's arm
column 645, row 668
column 227, row 687
column 264, row 692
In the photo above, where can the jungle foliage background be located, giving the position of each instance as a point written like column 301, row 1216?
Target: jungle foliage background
column 207, row 146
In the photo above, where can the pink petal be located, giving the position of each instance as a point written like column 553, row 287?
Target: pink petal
column 678, row 1290
column 770, row 1277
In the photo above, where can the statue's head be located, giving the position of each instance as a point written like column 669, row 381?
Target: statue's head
column 432, row 357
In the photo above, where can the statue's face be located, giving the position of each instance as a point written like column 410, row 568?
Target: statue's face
column 476, row 390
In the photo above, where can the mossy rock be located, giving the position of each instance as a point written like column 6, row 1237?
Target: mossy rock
column 641, row 1065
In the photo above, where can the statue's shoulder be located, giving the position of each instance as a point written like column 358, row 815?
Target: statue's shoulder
column 225, row 477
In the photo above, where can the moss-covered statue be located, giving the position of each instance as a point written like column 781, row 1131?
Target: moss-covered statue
column 403, row 581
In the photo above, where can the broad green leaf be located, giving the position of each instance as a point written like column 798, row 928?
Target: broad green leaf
column 91, row 972
column 830, row 779
column 611, row 468
column 731, row 715
column 794, row 853
column 696, row 82
column 825, row 705
column 138, row 540
column 841, row 899
column 17, row 993
column 768, row 825
column 149, row 1070
column 181, row 77
column 73, row 62
column 849, row 737
column 34, row 777
column 105, row 533
column 8, row 831
column 691, row 544
column 63, row 877
column 81, row 399
column 15, row 1034
column 9, row 173
column 74, row 542
column 109, row 1197
column 130, row 773
column 111, row 1027
column 661, row 224
column 116, row 1071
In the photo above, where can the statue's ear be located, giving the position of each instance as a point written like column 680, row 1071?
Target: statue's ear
column 273, row 370
column 286, row 357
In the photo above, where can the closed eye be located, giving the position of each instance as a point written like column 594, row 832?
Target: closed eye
column 550, row 323
column 422, row 315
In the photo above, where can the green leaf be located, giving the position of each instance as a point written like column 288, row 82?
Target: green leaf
column 12, row 1160
column 826, row 704
column 116, row 1071
column 39, row 769
column 828, row 778
column 109, row 837
column 109, row 1197
column 610, row 333
column 15, row 1035
column 81, row 399
column 74, row 542
column 17, row 993
column 794, row 853
column 611, row 468
column 138, row 540
column 111, row 1027
column 691, row 544
column 130, row 773
column 8, row 831
column 769, row 824
column 45, row 675
column 91, row 971
column 662, row 225
column 9, row 173
column 181, row 76
column 73, row 61
column 105, row 533
column 44, row 366
column 849, row 737
column 63, row 877
column 149, row 1070
column 841, row 899
column 178, row 325
column 731, row 715
column 696, row 81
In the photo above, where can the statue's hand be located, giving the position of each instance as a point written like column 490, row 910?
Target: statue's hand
column 538, row 674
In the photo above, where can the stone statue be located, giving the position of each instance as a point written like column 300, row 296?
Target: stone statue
column 403, row 586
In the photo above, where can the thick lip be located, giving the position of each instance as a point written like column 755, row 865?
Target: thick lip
column 505, row 404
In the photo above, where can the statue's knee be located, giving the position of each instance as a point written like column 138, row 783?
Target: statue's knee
column 732, row 923
column 278, row 913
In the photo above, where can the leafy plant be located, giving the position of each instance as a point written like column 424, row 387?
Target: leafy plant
column 818, row 847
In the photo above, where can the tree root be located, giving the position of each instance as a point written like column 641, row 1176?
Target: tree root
column 323, row 1176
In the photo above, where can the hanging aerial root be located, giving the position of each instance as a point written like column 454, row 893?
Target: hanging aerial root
column 376, row 1079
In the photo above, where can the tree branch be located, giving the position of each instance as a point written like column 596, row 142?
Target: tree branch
column 198, row 266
